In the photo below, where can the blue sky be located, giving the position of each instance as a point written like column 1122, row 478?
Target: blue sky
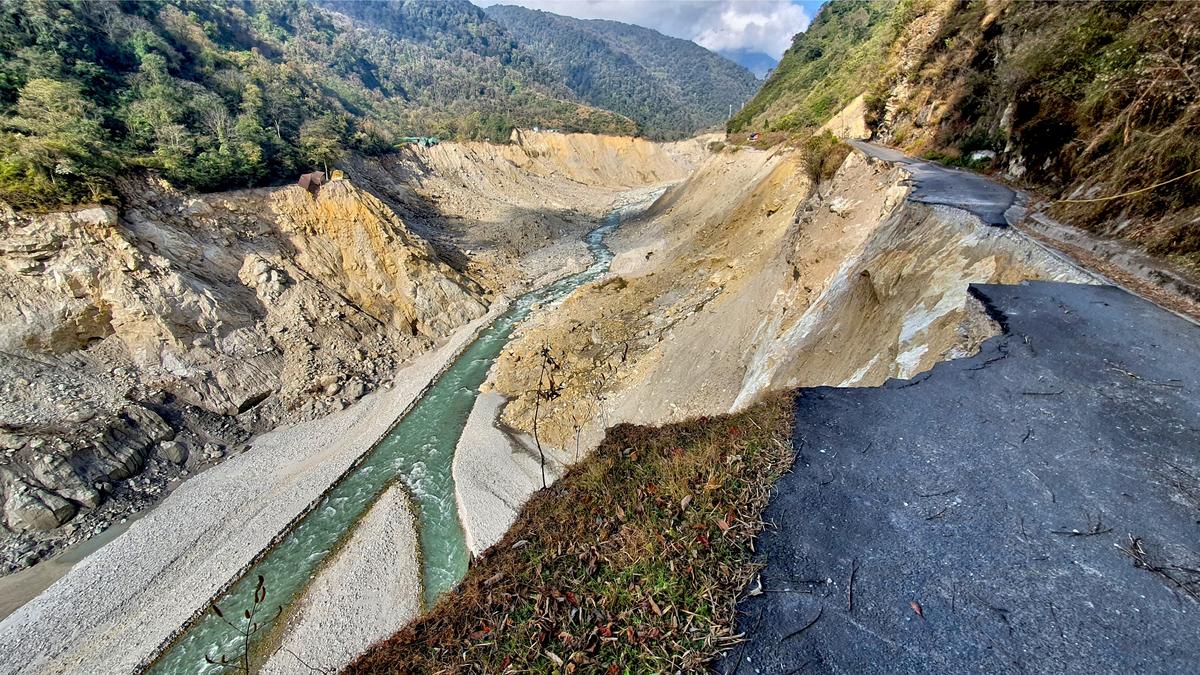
column 726, row 26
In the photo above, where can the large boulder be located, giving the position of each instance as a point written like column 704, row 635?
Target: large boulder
column 175, row 452
column 29, row 507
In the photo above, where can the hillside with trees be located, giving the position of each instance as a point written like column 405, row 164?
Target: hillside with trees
column 826, row 66
column 1094, row 105
column 672, row 88
column 225, row 95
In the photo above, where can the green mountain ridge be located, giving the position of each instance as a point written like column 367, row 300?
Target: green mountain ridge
column 671, row 87
column 827, row 65
column 247, row 92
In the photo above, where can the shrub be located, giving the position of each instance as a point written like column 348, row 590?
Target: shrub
column 823, row 153
column 53, row 148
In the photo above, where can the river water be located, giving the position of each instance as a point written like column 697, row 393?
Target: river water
column 418, row 450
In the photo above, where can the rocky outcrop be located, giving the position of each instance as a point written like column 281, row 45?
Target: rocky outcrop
column 28, row 507
column 211, row 317
column 229, row 314
column 380, row 267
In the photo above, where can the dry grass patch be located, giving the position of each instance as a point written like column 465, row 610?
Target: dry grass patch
column 631, row 563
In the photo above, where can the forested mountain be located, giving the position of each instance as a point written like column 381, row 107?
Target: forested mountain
column 226, row 94
column 671, row 87
column 826, row 66
column 759, row 63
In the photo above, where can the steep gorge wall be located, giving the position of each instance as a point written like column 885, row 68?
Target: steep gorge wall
column 513, row 213
column 220, row 315
column 139, row 344
column 532, row 170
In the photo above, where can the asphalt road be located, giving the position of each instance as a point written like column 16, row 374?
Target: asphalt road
column 1032, row 509
column 933, row 183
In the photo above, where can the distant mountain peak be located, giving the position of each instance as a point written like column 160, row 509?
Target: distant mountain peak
column 671, row 87
column 759, row 63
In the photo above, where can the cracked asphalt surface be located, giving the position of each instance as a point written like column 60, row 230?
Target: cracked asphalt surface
column 1034, row 508
column 993, row 203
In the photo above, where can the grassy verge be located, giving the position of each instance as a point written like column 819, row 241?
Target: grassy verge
column 631, row 563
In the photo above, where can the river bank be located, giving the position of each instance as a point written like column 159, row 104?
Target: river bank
column 115, row 608
column 370, row 588
column 418, row 451
column 219, row 522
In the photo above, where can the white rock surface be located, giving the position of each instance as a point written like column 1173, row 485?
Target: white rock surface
column 494, row 475
column 368, row 592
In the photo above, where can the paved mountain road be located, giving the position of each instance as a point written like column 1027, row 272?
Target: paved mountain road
column 933, row 183
column 1034, row 508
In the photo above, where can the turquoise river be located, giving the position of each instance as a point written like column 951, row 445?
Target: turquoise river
column 418, row 450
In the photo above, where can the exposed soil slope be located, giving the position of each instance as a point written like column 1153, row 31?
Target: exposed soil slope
column 218, row 315
column 115, row 610
column 1090, row 104
column 514, row 213
column 214, row 317
column 1080, row 102
column 747, row 278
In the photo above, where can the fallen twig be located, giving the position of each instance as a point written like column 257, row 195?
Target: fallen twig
column 806, row 626
column 938, row 494
column 850, row 586
column 742, row 645
column 939, row 514
column 1174, row 384
column 1141, row 559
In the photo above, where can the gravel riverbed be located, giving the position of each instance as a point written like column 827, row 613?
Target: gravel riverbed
column 114, row 610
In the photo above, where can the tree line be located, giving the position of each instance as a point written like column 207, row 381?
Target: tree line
column 248, row 92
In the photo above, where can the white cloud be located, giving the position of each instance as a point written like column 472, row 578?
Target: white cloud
column 721, row 25
column 767, row 28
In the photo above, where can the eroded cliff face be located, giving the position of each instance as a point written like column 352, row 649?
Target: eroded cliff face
column 141, row 344
column 209, row 317
column 748, row 278
column 515, row 213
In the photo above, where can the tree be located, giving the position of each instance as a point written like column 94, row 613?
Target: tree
column 321, row 140
column 55, row 147
column 547, row 391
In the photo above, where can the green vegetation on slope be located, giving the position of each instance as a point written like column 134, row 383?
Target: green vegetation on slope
column 631, row 563
column 672, row 88
column 223, row 95
column 826, row 67
column 1080, row 100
